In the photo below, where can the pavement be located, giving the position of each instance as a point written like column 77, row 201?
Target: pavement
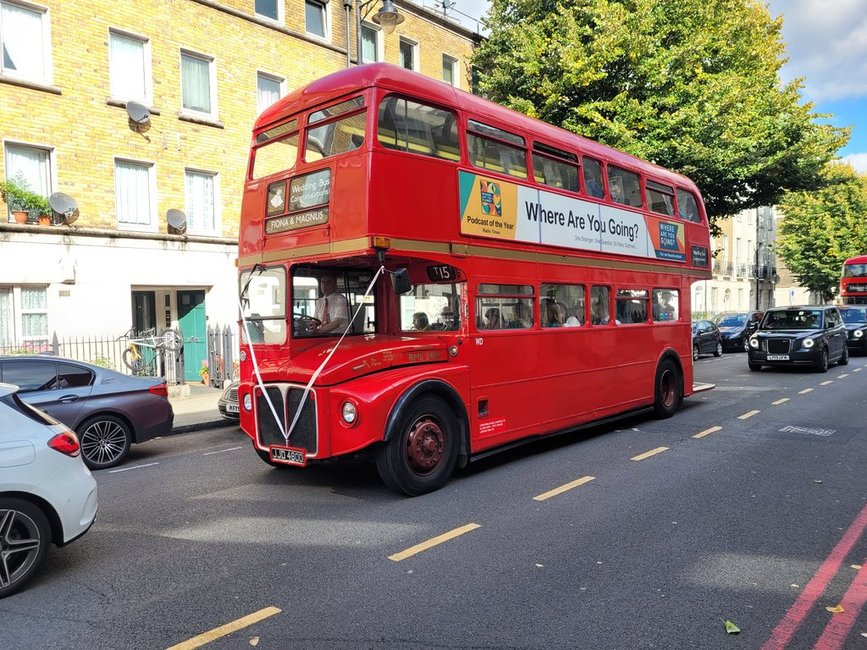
column 195, row 407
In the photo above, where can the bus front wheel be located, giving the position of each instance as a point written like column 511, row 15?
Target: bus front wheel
column 668, row 393
column 421, row 453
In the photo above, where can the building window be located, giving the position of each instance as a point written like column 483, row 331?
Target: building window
column 198, row 84
column 450, row 71
column 201, row 193
column 269, row 9
column 23, row 317
column 25, row 41
column 134, row 189
column 316, row 18
column 34, row 314
column 269, row 89
column 31, row 165
column 408, row 53
column 129, row 63
column 370, row 44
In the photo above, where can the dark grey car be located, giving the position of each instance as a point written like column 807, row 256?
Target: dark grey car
column 108, row 410
column 855, row 320
column 799, row 336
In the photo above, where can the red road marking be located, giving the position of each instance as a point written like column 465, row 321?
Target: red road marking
column 839, row 626
column 786, row 628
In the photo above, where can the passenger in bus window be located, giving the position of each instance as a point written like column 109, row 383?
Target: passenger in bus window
column 615, row 185
column 664, row 310
column 576, row 317
column 601, row 314
column 556, row 315
column 332, row 309
column 523, row 316
column 448, row 319
column 420, row 322
column 493, row 321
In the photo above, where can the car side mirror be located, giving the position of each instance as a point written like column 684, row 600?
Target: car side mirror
column 400, row 281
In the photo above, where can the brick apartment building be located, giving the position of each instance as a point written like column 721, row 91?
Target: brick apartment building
column 204, row 69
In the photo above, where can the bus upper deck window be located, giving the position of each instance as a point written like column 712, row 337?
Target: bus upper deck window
column 623, row 186
column 660, row 198
column 410, row 126
column 495, row 149
column 276, row 150
column 687, row 208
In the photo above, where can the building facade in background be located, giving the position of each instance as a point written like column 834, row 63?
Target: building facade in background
column 138, row 108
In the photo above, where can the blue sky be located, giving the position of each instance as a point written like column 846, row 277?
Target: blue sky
column 826, row 44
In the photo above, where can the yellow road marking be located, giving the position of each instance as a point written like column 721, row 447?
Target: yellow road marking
column 223, row 630
column 805, row 391
column 707, row 432
column 748, row 415
column 564, row 488
column 439, row 539
column 648, row 454
column 780, row 401
column 825, row 383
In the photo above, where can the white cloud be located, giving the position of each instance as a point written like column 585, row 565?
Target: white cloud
column 858, row 161
column 826, row 42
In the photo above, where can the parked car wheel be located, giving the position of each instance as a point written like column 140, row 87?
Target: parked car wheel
column 718, row 351
column 25, row 536
column 695, row 351
column 105, row 441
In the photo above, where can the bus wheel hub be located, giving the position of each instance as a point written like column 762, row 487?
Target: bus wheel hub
column 425, row 444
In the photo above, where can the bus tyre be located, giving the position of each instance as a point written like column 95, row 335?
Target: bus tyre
column 668, row 393
column 421, row 453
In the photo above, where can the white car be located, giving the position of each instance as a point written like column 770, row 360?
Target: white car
column 47, row 494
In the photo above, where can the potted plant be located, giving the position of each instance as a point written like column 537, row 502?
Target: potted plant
column 39, row 205
column 204, row 372
column 17, row 196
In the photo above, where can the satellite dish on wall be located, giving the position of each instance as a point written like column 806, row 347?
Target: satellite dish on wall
column 139, row 116
column 64, row 206
column 177, row 222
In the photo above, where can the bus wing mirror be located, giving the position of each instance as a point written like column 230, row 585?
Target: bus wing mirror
column 400, row 281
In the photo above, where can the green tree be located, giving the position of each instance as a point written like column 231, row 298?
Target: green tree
column 692, row 85
column 821, row 229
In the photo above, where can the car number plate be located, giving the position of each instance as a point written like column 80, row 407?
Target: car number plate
column 778, row 357
column 288, row 455
column 231, row 408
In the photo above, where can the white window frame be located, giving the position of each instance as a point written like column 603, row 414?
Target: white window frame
column 281, row 13
column 377, row 30
column 50, row 169
column 281, row 81
column 153, row 225
column 453, row 61
column 217, row 228
column 47, row 75
column 28, row 312
column 148, row 99
column 212, row 81
column 415, row 55
column 326, row 20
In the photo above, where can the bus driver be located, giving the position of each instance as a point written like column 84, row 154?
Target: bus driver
column 332, row 309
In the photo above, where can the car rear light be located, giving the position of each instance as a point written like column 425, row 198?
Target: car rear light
column 66, row 443
column 160, row 389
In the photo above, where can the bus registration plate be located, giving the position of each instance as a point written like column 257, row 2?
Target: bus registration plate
column 288, row 455
column 778, row 357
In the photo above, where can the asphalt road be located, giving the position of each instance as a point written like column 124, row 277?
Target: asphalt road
column 759, row 522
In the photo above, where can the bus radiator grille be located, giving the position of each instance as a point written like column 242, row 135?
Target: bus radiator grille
column 303, row 435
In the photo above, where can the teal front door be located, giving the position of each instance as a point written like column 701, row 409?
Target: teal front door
column 191, row 317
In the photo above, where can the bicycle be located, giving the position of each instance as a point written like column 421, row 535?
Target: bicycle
column 133, row 358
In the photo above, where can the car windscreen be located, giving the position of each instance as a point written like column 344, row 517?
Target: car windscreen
column 731, row 320
column 793, row 319
column 854, row 315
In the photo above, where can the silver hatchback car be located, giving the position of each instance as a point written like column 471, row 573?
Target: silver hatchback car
column 47, row 494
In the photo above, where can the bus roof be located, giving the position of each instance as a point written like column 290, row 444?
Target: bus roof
column 398, row 79
column 860, row 259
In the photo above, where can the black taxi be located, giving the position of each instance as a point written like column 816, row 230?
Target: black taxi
column 811, row 335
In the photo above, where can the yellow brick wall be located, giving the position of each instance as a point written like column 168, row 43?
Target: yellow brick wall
column 86, row 134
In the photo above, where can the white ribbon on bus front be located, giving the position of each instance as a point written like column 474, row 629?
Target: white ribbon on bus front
column 258, row 375
column 330, row 353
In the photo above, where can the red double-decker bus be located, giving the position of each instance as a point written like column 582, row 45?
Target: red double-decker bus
column 539, row 281
column 853, row 281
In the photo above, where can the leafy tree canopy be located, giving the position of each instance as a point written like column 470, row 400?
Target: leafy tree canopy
column 824, row 228
column 692, row 85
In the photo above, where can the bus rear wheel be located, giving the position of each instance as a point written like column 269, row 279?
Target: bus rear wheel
column 668, row 391
column 423, row 449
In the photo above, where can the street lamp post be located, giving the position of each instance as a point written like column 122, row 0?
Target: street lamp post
column 388, row 17
column 758, row 248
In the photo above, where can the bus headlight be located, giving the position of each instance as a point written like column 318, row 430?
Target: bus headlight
column 349, row 412
column 754, row 343
column 859, row 333
column 808, row 343
column 248, row 402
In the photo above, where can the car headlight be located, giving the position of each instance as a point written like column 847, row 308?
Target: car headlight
column 349, row 412
column 808, row 343
column 754, row 343
column 859, row 334
column 248, row 402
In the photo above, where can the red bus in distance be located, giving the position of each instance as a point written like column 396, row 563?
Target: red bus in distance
column 429, row 277
column 853, row 281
